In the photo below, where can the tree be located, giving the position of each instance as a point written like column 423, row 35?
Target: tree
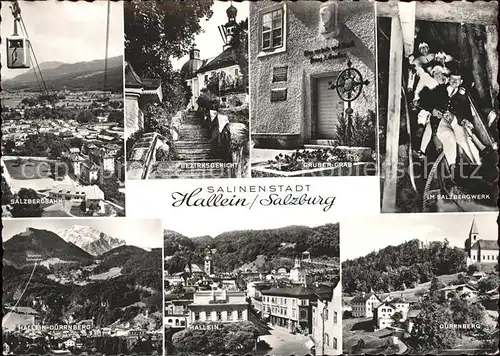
column 489, row 343
column 359, row 346
column 324, row 241
column 144, row 347
column 116, row 116
column 76, row 142
column 428, row 334
column 85, row 117
column 472, row 269
column 9, row 146
column 26, row 205
column 175, row 263
column 465, row 313
column 227, row 338
column 154, row 302
column 396, row 319
column 208, row 100
column 436, row 285
column 487, row 284
column 157, row 31
column 6, row 192
column 156, row 119
column 132, row 139
column 110, row 186
column 30, row 101
column 239, row 41
column 213, row 84
column 162, row 154
column 178, row 289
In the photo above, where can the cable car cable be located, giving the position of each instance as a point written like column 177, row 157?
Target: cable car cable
column 107, row 46
column 37, row 80
column 6, row 317
column 34, row 55
column 18, row 46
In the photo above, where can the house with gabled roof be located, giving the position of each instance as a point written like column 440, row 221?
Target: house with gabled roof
column 364, row 304
column 326, row 333
column 383, row 313
column 464, row 291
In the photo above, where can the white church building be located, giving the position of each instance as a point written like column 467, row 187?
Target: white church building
column 197, row 72
column 480, row 250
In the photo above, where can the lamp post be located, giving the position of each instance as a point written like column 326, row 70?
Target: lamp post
column 349, row 85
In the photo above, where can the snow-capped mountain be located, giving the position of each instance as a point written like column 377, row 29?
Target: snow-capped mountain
column 90, row 240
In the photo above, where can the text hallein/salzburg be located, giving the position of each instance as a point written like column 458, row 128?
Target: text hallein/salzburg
column 196, row 199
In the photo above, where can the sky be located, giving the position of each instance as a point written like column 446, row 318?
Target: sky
column 209, row 42
column 362, row 235
column 66, row 31
column 247, row 221
column 144, row 233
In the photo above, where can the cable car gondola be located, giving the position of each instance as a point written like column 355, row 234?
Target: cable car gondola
column 18, row 46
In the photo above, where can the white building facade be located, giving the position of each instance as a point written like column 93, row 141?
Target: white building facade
column 218, row 306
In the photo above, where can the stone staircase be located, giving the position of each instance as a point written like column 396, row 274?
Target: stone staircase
column 194, row 154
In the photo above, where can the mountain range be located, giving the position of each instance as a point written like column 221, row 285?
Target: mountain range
column 76, row 244
column 85, row 76
column 89, row 239
column 134, row 295
column 41, row 243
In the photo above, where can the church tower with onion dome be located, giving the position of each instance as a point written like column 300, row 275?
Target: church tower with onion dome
column 229, row 27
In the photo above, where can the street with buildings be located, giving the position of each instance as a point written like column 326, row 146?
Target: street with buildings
column 281, row 311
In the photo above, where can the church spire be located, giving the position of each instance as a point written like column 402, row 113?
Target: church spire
column 474, row 229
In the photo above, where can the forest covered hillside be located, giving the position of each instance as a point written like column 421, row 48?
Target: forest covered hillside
column 402, row 266
column 235, row 248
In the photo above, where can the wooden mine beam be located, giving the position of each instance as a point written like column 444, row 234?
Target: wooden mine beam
column 393, row 117
column 476, row 12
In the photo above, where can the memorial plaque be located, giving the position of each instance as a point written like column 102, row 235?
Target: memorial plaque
column 280, row 74
column 278, row 94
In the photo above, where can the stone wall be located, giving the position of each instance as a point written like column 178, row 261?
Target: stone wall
column 176, row 124
column 134, row 120
column 230, row 142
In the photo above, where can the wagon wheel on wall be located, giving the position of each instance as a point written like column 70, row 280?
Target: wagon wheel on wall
column 349, row 84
